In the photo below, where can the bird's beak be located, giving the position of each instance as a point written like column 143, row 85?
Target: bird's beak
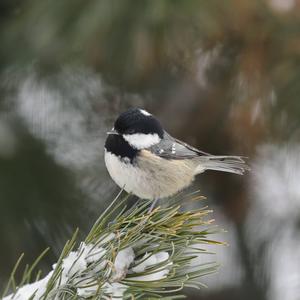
column 113, row 131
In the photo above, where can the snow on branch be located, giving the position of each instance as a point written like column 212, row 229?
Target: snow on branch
column 127, row 254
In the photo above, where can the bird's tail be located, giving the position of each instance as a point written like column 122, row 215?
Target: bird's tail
column 230, row 164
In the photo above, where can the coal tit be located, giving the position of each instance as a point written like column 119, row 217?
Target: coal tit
column 145, row 160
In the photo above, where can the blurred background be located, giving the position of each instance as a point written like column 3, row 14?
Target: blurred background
column 222, row 75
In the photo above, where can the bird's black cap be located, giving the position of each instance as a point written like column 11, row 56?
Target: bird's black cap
column 136, row 120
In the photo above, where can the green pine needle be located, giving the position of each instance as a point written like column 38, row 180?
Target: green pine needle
column 180, row 236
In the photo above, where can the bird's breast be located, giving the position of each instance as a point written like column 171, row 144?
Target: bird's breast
column 150, row 176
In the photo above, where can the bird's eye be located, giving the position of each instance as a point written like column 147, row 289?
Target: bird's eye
column 130, row 131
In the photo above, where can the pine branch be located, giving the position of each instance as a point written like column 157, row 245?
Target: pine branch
column 128, row 254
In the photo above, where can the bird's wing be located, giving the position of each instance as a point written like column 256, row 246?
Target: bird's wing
column 171, row 148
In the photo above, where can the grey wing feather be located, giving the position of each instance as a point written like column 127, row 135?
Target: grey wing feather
column 171, row 148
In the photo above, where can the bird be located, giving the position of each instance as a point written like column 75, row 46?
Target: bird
column 145, row 160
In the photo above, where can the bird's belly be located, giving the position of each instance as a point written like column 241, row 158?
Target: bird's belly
column 147, row 179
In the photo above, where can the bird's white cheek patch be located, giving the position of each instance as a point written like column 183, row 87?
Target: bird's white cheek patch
column 142, row 141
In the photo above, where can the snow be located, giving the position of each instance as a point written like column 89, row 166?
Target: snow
column 152, row 260
column 95, row 255
column 27, row 291
column 72, row 264
column 115, row 289
column 75, row 265
column 107, row 238
column 153, row 276
column 87, row 292
column 122, row 262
